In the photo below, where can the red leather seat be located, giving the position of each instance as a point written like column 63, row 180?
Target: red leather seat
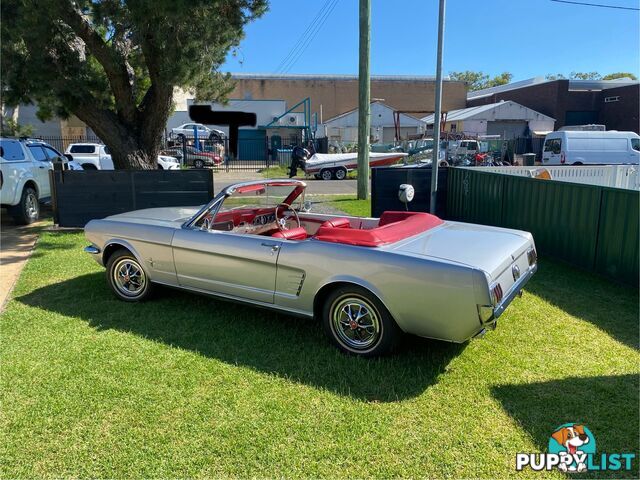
column 394, row 226
column 340, row 222
column 298, row 233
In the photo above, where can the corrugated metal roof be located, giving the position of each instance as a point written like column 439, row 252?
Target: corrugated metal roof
column 471, row 112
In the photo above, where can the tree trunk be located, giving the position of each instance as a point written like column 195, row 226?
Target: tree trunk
column 132, row 147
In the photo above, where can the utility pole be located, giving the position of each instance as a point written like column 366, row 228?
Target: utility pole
column 438, row 111
column 364, row 95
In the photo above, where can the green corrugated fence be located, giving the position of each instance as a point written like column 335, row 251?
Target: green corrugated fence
column 592, row 227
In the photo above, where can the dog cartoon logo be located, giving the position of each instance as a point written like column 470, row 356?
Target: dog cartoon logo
column 573, row 442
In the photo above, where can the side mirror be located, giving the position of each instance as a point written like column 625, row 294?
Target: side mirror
column 1, row 152
column 306, row 206
column 69, row 157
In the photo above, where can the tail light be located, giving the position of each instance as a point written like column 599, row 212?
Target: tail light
column 563, row 157
column 532, row 256
column 497, row 294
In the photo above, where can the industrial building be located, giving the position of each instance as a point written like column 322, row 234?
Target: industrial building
column 505, row 118
column 333, row 95
column 613, row 103
column 386, row 125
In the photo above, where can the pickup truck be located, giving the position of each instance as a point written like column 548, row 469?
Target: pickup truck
column 92, row 156
column 24, row 180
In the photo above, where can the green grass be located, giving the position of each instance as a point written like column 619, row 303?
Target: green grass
column 351, row 206
column 187, row 386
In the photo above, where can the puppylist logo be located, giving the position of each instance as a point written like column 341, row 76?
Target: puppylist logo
column 572, row 448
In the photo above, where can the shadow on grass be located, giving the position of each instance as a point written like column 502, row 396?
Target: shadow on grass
column 292, row 348
column 608, row 405
column 610, row 306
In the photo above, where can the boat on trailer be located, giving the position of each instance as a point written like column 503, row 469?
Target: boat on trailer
column 329, row 166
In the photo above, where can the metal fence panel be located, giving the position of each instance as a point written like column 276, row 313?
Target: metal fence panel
column 562, row 217
column 617, row 251
column 385, row 183
column 80, row 196
column 589, row 226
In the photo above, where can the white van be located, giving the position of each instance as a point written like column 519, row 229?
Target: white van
column 591, row 147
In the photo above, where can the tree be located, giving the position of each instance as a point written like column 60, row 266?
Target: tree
column 115, row 63
column 613, row 76
column 480, row 80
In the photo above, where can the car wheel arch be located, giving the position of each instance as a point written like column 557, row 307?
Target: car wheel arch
column 114, row 245
column 30, row 183
column 329, row 287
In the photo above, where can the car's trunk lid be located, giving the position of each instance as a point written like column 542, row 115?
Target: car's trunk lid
column 490, row 249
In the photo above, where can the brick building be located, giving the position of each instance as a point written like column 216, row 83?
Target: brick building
column 613, row 103
column 332, row 95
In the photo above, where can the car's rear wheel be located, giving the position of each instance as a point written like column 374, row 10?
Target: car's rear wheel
column 198, row 164
column 341, row 173
column 358, row 323
column 127, row 278
column 89, row 166
column 28, row 210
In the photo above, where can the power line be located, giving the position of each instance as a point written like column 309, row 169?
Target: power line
column 302, row 37
column 311, row 37
column 597, row 5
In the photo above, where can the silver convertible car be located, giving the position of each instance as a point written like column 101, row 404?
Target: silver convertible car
column 367, row 279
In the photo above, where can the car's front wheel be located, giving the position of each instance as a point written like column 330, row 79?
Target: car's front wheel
column 127, row 278
column 28, row 210
column 358, row 323
column 198, row 164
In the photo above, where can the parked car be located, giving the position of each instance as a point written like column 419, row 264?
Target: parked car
column 368, row 279
column 41, row 150
column 24, row 180
column 584, row 147
column 165, row 162
column 92, row 156
column 204, row 132
column 195, row 158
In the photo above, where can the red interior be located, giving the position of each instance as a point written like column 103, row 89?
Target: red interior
column 393, row 226
column 239, row 215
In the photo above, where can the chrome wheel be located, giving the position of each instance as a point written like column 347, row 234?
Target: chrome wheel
column 326, row 174
column 356, row 322
column 129, row 278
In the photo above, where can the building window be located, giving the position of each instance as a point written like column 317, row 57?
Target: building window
column 453, row 128
column 612, row 99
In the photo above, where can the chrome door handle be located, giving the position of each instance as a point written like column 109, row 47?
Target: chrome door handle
column 274, row 246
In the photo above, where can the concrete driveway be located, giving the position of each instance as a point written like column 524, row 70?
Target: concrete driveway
column 16, row 244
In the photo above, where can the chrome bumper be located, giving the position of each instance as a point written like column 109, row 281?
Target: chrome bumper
column 515, row 290
column 92, row 249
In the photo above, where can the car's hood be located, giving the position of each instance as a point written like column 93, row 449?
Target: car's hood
column 488, row 248
column 165, row 216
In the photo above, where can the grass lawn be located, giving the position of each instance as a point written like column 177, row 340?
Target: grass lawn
column 187, row 386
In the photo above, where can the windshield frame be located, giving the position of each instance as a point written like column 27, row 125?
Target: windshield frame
column 215, row 204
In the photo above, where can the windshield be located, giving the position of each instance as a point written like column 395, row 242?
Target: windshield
column 250, row 204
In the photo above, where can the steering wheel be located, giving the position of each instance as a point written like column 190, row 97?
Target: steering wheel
column 282, row 222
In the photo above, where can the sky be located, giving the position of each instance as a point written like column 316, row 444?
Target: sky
column 527, row 38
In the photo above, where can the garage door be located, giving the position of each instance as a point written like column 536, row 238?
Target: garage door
column 507, row 129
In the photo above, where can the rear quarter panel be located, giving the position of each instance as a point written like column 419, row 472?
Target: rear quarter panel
column 426, row 297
